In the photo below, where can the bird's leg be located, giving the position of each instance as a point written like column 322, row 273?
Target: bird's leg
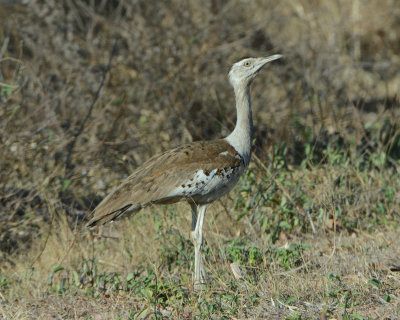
column 197, row 238
column 194, row 216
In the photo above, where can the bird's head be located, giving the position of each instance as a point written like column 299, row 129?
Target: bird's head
column 244, row 71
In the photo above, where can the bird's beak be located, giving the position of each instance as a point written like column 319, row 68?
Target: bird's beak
column 265, row 60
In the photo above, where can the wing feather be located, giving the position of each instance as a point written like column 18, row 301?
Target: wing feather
column 160, row 179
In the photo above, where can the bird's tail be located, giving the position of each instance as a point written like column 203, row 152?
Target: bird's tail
column 100, row 219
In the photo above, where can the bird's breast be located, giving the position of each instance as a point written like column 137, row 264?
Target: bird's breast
column 223, row 180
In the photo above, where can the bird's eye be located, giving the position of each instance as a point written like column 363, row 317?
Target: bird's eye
column 247, row 64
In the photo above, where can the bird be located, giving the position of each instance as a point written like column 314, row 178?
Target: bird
column 198, row 173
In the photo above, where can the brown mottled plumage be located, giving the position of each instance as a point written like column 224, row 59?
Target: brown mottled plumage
column 154, row 181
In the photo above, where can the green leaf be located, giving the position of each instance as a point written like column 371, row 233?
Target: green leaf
column 356, row 316
column 387, row 298
column 129, row 277
column 76, row 278
column 51, row 275
column 283, row 201
column 148, row 293
column 284, row 225
column 264, row 223
column 65, row 184
column 290, row 300
column 241, row 215
column 375, row 282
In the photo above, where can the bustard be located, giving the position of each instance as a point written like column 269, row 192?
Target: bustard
column 199, row 172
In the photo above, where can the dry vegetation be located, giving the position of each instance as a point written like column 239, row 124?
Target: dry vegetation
column 89, row 89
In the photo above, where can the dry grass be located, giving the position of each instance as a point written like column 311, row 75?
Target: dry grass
column 313, row 224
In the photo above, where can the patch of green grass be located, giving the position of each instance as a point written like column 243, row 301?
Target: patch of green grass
column 279, row 200
column 251, row 255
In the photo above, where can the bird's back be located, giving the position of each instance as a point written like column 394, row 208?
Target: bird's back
column 198, row 172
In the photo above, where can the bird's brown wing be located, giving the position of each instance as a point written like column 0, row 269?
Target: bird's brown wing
column 156, row 180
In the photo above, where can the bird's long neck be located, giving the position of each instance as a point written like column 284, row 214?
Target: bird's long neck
column 241, row 136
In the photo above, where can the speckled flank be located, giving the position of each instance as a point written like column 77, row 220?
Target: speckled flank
column 206, row 186
column 196, row 184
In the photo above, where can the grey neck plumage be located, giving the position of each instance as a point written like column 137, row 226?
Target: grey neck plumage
column 241, row 136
